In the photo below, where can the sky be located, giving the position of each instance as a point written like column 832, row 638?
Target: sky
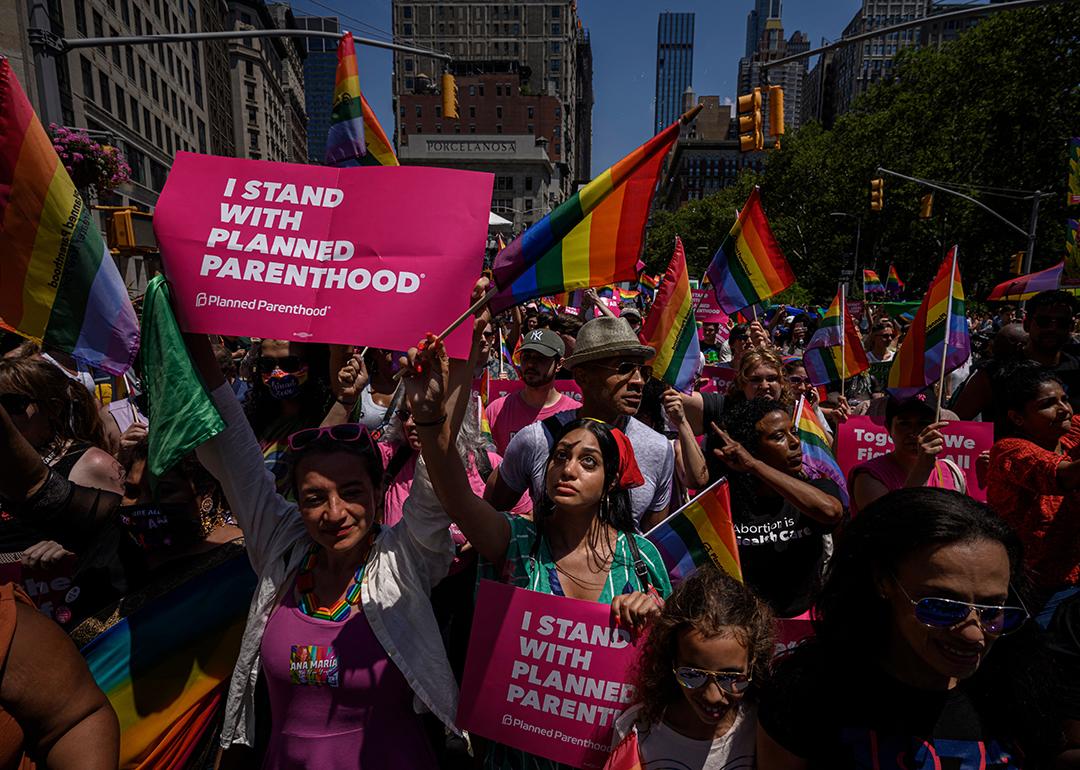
column 623, row 34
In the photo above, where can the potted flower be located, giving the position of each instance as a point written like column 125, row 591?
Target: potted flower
column 94, row 168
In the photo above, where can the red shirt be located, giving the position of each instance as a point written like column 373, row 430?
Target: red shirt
column 1022, row 489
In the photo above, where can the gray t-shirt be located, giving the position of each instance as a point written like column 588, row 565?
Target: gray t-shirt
column 525, row 461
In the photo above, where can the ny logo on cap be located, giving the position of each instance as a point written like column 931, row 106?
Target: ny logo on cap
column 536, row 335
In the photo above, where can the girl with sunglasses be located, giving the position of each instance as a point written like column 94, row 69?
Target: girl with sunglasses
column 696, row 676
column 341, row 624
column 581, row 541
column 922, row 658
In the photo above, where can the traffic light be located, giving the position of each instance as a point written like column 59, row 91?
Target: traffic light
column 776, row 110
column 449, row 97
column 121, row 230
column 877, row 194
column 1016, row 263
column 750, row 133
column 926, row 206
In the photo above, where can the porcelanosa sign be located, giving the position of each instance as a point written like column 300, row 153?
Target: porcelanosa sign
column 367, row 255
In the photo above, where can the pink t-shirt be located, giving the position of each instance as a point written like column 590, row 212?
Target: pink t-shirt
column 509, row 414
column 398, row 490
column 889, row 472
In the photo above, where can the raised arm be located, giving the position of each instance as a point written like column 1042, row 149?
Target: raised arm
column 694, row 471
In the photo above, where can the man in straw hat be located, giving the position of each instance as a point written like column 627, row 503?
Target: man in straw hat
column 609, row 363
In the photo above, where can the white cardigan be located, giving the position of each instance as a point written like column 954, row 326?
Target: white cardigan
column 406, row 561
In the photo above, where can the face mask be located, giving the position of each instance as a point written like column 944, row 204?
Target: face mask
column 284, row 385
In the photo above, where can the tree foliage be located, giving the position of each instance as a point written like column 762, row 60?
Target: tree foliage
column 994, row 108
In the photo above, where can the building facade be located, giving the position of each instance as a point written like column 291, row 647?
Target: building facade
column 762, row 11
column 320, row 71
column 674, row 66
column 526, row 184
column 541, row 38
column 295, row 49
column 772, row 46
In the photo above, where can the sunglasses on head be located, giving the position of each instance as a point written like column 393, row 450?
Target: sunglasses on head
column 996, row 620
column 696, row 678
column 289, row 364
column 15, row 403
column 627, row 368
column 344, row 433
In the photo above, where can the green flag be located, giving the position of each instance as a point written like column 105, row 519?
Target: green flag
column 182, row 416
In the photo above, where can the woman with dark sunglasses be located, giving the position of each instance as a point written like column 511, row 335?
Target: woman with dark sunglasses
column 696, row 676
column 341, row 624
column 922, row 658
column 581, row 541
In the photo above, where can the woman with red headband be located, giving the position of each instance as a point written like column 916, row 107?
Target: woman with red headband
column 581, row 542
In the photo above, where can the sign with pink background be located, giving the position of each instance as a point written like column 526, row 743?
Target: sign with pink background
column 706, row 309
column 861, row 438
column 366, row 256
column 545, row 674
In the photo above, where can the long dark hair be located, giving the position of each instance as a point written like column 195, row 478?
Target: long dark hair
column 615, row 509
column 1013, row 386
column 1012, row 687
column 708, row 601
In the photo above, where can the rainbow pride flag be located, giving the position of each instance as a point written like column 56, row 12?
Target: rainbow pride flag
column 871, row 283
column 626, row 295
column 1074, row 172
column 625, row 756
column 649, row 282
column 345, row 143
column 58, row 282
column 1072, row 249
column 671, row 329
column 699, row 532
column 818, row 460
column 1024, row 287
column 749, row 266
column 379, row 150
column 893, row 284
column 938, row 333
column 592, row 239
column 835, row 352
column 485, row 390
column 164, row 669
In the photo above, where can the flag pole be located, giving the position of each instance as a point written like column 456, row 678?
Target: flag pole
column 501, row 362
column 843, row 338
column 945, row 347
column 686, row 505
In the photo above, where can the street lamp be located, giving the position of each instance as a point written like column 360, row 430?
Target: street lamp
column 858, row 237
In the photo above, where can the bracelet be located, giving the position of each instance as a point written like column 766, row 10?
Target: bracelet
column 432, row 424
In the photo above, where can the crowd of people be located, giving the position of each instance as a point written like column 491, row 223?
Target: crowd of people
column 372, row 489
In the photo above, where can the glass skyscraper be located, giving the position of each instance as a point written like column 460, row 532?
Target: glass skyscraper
column 674, row 65
column 320, row 69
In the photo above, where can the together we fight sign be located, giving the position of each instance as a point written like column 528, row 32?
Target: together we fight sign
column 546, row 674
column 366, row 255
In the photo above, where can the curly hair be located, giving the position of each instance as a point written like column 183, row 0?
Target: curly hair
column 750, row 361
column 741, row 423
column 710, row 602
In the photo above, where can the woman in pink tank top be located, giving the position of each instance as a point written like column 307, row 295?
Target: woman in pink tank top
column 915, row 460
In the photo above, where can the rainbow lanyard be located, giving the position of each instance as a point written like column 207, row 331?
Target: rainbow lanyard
column 305, row 584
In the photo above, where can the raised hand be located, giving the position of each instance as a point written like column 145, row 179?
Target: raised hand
column 734, row 454
column 425, row 372
column 673, row 407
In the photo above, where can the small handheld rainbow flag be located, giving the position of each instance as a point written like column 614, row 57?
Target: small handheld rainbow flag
column 835, row 352
column 1072, row 249
column 871, row 283
column 485, row 390
column 59, row 284
column 671, row 328
column 937, row 340
column 592, row 239
column 355, row 137
column 893, row 284
column 818, row 460
column 1024, row 287
column 649, row 282
column 699, row 532
column 749, row 266
column 1074, row 171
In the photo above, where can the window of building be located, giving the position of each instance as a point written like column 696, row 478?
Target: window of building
column 472, row 90
column 80, row 16
column 172, row 97
column 498, row 89
column 249, row 69
column 409, row 65
column 121, row 105
column 556, row 28
column 481, row 89
column 409, row 83
column 168, row 141
column 442, row 27
column 142, row 74
column 406, row 29
column 146, row 121
column 504, row 183
column 130, row 55
column 498, row 111
column 251, row 92
column 457, row 128
column 99, row 26
column 134, row 113
column 406, row 11
column 438, row 110
column 528, row 184
column 472, row 129
column 202, row 136
column 157, row 130
column 125, row 12
column 498, row 128
column 153, row 86
column 252, row 116
column 556, row 65
column 106, row 96
column 530, row 129
column 134, row 157
column 531, row 110
column 137, row 14
column 253, row 140
column 87, row 78
column 555, row 11
column 419, row 111
column 556, row 46
column 419, row 129
column 438, row 128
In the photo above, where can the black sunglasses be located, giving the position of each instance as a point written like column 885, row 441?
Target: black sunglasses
column 289, row 364
column 627, row 368
column 996, row 620
column 15, row 403
column 344, row 433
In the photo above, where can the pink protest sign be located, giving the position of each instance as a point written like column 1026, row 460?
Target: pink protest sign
column 861, row 438
column 706, row 310
column 368, row 256
column 719, row 379
column 545, row 674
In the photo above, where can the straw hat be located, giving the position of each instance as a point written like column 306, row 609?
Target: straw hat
column 607, row 337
